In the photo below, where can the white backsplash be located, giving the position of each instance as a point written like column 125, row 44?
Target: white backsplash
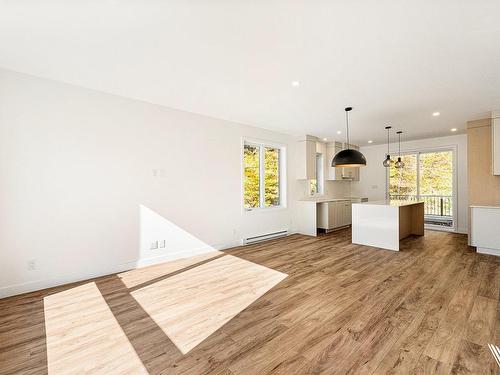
column 333, row 189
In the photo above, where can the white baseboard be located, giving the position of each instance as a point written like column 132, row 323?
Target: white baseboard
column 32, row 286
column 485, row 250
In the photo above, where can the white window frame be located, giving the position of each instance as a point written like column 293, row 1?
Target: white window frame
column 282, row 175
column 320, row 176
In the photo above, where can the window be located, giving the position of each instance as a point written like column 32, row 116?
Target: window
column 427, row 176
column 316, row 185
column 262, row 175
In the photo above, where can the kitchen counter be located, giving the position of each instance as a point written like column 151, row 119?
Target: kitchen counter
column 393, row 203
column 309, row 208
column 325, row 199
column 322, row 200
column 483, row 206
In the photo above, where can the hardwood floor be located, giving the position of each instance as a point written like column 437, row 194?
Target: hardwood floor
column 431, row 308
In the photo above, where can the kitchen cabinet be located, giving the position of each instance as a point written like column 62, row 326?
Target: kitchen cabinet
column 333, row 174
column 346, row 213
column 484, row 232
column 308, row 146
column 306, row 158
column 334, row 214
column 495, row 135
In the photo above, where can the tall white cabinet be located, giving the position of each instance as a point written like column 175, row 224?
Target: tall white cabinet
column 306, row 158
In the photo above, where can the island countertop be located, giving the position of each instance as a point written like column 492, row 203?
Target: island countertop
column 393, row 203
column 323, row 200
column 326, row 199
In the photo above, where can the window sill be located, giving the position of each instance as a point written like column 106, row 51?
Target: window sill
column 263, row 210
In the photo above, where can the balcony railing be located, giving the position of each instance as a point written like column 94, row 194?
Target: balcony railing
column 435, row 205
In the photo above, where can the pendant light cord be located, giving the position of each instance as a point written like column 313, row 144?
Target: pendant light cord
column 347, row 122
column 400, row 180
column 388, row 130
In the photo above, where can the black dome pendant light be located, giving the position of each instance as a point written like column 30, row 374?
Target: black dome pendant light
column 399, row 164
column 388, row 162
column 348, row 157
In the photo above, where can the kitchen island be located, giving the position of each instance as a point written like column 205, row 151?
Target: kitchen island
column 384, row 223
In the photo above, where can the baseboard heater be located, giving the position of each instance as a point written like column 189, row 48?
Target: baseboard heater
column 264, row 237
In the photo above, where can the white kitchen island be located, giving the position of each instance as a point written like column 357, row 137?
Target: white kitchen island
column 384, row 223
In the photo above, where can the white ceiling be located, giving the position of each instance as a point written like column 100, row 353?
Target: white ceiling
column 395, row 62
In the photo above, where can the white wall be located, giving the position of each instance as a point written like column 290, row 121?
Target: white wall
column 88, row 180
column 372, row 182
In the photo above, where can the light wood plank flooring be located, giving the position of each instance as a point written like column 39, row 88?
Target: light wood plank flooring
column 329, row 307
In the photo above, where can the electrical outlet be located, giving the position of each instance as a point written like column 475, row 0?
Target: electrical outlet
column 154, row 245
column 162, row 243
column 31, row 264
column 161, row 173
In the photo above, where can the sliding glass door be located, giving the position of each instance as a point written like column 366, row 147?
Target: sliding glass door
column 427, row 176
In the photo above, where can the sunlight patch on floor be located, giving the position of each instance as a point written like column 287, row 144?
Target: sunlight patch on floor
column 192, row 305
column 83, row 336
column 143, row 275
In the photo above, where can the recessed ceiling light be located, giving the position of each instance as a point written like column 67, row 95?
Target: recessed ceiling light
column 435, row 114
column 325, row 139
column 370, row 141
column 339, row 132
column 295, row 83
column 453, row 129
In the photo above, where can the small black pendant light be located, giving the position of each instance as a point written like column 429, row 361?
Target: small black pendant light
column 399, row 164
column 388, row 162
column 348, row 157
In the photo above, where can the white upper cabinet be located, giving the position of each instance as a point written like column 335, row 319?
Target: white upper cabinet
column 495, row 135
column 308, row 146
column 306, row 158
column 332, row 149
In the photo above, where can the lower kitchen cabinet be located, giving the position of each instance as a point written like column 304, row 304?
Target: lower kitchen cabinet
column 332, row 215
